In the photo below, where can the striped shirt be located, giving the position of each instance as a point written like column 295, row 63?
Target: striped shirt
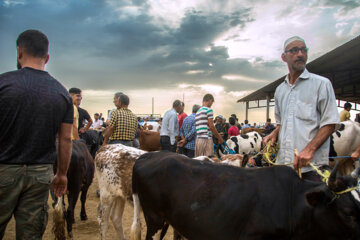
column 201, row 122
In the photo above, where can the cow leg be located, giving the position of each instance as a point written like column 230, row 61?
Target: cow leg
column 70, row 220
column 154, row 227
column 116, row 216
column 104, row 209
column 177, row 236
column 83, row 215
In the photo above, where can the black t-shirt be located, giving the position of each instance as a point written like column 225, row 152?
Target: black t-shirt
column 83, row 114
column 33, row 105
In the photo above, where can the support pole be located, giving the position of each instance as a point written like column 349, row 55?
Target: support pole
column 152, row 112
column 247, row 110
column 267, row 106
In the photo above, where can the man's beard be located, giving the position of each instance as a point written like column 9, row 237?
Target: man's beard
column 18, row 64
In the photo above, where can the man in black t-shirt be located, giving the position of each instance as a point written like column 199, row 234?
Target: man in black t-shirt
column 35, row 108
column 83, row 114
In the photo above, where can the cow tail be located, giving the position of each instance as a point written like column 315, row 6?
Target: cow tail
column 136, row 225
column 58, row 228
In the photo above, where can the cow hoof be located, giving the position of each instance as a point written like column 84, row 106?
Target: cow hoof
column 83, row 218
column 98, row 193
column 70, row 235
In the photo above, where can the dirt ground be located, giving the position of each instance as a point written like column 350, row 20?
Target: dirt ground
column 89, row 230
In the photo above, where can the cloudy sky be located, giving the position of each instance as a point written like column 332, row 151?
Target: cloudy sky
column 170, row 49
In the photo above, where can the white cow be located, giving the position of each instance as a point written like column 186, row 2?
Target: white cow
column 345, row 141
column 114, row 163
column 152, row 126
column 249, row 143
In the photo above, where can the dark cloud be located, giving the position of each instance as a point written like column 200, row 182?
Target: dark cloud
column 346, row 5
column 95, row 45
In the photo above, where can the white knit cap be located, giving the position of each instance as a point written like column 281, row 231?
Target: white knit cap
column 292, row 39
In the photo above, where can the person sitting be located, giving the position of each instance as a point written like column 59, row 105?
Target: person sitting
column 345, row 114
column 268, row 125
column 233, row 130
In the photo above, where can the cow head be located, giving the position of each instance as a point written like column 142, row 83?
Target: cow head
column 337, row 211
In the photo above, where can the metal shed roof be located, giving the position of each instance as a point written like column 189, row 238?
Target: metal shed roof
column 341, row 66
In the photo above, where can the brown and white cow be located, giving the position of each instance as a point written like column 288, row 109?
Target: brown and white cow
column 113, row 165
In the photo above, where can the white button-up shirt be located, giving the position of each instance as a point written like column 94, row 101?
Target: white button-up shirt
column 302, row 109
column 170, row 125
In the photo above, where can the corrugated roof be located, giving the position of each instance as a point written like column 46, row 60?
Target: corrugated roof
column 341, row 66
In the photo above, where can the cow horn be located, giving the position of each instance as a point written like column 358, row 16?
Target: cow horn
column 332, row 178
column 355, row 174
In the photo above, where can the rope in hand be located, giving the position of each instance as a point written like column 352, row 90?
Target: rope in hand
column 270, row 155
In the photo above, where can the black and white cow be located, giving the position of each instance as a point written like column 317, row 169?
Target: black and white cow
column 249, row 143
column 344, row 142
column 206, row 201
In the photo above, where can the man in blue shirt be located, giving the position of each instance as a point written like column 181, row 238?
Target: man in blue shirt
column 170, row 128
column 246, row 125
column 188, row 133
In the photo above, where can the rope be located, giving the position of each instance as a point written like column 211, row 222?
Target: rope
column 270, row 155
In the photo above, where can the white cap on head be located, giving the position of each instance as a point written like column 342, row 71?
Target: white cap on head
column 293, row 39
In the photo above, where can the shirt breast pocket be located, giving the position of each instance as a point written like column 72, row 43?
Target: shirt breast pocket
column 304, row 111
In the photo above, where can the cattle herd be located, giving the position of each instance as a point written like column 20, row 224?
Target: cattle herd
column 216, row 197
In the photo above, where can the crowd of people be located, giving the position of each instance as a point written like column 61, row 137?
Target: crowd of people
column 37, row 109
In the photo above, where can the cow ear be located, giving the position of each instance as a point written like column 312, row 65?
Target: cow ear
column 317, row 196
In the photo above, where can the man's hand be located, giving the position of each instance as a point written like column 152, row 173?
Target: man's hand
column 221, row 140
column 59, row 185
column 182, row 142
column 356, row 155
column 82, row 130
column 303, row 159
column 271, row 137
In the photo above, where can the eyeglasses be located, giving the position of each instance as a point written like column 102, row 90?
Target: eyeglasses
column 295, row 50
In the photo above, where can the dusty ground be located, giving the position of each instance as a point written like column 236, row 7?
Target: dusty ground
column 89, row 230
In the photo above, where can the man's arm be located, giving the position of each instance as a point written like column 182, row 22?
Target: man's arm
column 88, row 125
column 109, row 131
column 64, row 154
column 272, row 136
column 214, row 131
column 306, row 155
column 173, row 127
column 356, row 155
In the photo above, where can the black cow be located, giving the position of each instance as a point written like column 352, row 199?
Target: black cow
column 93, row 139
column 80, row 176
column 205, row 201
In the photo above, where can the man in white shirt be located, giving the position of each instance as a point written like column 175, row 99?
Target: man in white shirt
column 305, row 113
column 170, row 128
column 97, row 124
